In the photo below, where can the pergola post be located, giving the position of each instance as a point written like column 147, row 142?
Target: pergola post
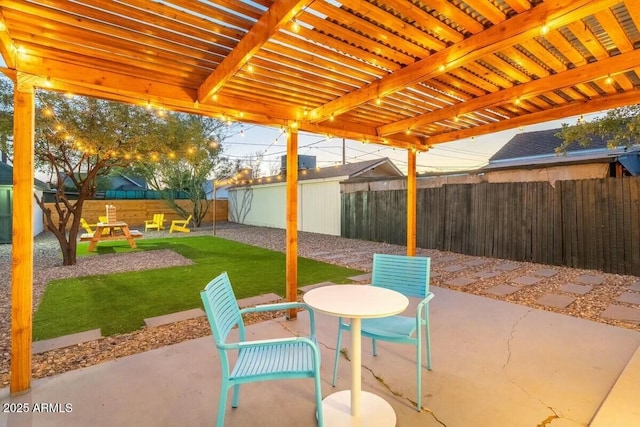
column 22, row 240
column 411, row 202
column 292, row 220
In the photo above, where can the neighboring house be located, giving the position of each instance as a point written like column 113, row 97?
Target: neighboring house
column 6, row 204
column 531, row 156
column 527, row 157
column 222, row 190
column 128, row 183
column 262, row 202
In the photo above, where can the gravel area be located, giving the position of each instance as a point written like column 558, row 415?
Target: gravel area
column 446, row 269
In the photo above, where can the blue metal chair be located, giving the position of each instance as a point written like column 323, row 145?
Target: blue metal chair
column 294, row 357
column 409, row 276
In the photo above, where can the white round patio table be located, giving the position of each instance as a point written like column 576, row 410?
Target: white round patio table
column 355, row 407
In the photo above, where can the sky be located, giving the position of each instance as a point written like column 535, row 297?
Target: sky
column 246, row 141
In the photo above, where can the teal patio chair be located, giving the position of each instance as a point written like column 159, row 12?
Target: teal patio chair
column 270, row 359
column 409, row 276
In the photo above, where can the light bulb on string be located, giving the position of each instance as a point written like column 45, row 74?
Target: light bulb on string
column 295, row 26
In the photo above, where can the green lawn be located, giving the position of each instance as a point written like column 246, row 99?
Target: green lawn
column 118, row 303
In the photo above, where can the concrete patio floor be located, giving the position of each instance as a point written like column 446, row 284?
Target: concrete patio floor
column 494, row 364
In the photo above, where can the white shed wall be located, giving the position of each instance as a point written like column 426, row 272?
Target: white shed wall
column 320, row 202
column 38, row 216
column 267, row 207
column 318, row 205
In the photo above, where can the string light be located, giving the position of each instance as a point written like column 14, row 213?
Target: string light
column 544, row 29
column 295, row 27
column 609, row 80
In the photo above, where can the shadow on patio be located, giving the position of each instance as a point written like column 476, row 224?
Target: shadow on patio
column 495, row 364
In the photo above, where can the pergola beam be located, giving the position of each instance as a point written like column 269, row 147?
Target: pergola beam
column 113, row 86
column 574, row 109
column 521, row 27
column 7, row 47
column 278, row 15
column 532, row 88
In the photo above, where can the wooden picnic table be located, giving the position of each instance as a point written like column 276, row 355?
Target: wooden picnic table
column 118, row 230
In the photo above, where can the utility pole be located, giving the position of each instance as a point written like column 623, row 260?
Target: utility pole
column 344, row 153
column 213, row 186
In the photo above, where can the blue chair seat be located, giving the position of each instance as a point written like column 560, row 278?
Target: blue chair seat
column 293, row 360
column 398, row 327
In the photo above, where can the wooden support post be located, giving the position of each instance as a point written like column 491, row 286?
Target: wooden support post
column 292, row 220
column 411, row 202
column 22, row 240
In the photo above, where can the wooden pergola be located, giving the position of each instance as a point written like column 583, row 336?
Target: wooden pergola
column 402, row 73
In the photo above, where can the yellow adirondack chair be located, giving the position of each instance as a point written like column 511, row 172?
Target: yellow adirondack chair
column 180, row 225
column 157, row 222
column 107, row 231
column 87, row 227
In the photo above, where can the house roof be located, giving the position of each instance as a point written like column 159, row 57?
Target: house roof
column 6, row 177
column 531, row 149
column 6, row 174
column 540, row 143
column 402, row 73
column 383, row 167
column 137, row 181
column 352, row 170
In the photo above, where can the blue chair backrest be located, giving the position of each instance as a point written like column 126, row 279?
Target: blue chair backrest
column 405, row 274
column 222, row 308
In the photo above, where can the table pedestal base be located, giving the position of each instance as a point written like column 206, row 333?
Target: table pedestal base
column 375, row 411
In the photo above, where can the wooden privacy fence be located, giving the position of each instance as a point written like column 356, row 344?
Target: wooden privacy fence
column 592, row 224
column 135, row 212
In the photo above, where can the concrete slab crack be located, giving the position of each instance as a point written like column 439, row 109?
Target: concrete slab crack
column 398, row 394
column 554, row 414
column 511, row 337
